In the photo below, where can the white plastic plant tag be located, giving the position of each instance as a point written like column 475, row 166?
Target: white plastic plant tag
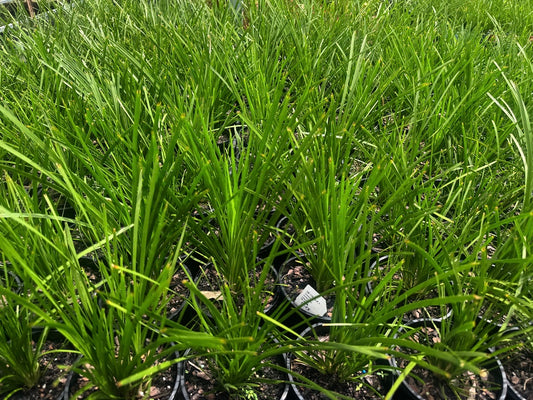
column 209, row 294
column 317, row 306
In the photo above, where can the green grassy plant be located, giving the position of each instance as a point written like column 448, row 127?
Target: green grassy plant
column 118, row 340
column 20, row 348
column 251, row 339
column 401, row 125
column 477, row 323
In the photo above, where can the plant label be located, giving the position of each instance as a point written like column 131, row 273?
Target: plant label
column 216, row 295
column 311, row 301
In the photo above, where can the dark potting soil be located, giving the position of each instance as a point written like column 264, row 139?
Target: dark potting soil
column 294, row 280
column 201, row 385
column 163, row 383
column 496, row 317
column 178, row 292
column 429, row 312
column 91, row 271
column 426, row 312
column 54, row 377
column 78, row 382
column 519, row 369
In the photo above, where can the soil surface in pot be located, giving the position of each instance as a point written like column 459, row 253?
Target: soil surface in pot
column 201, row 385
column 519, row 369
column 178, row 292
column 426, row 312
column 91, row 269
column 52, row 382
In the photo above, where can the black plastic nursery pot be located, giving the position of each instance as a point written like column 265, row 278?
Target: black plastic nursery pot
column 518, row 367
column 193, row 262
column 374, row 388
column 497, row 388
column 195, row 383
column 276, row 295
